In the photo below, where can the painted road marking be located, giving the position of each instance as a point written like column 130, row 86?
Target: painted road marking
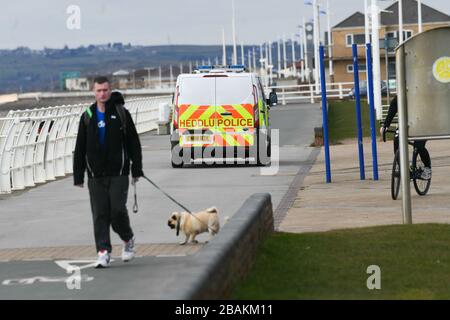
column 44, row 279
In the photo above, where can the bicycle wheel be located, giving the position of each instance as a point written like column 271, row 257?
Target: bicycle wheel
column 395, row 177
column 421, row 185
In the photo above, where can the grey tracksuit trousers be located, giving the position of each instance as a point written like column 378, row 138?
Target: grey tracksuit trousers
column 108, row 203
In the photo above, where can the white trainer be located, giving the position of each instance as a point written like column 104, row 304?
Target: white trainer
column 103, row 260
column 426, row 174
column 128, row 251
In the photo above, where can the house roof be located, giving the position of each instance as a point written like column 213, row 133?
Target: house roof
column 410, row 15
column 355, row 20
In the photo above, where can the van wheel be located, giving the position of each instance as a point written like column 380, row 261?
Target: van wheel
column 263, row 143
column 175, row 147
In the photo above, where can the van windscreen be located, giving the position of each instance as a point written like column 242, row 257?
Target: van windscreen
column 197, row 91
column 234, row 90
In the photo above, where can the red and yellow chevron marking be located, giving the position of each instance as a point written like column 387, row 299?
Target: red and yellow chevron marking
column 227, row 129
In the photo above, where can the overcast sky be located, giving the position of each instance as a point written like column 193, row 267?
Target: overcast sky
column 42, row 23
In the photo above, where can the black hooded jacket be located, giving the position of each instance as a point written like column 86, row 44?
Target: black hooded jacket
column 112, row 159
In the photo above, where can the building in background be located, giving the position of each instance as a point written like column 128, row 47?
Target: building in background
column 351, row 30
column 77, row 84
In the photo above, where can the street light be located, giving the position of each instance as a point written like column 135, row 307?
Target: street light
column 270, row 65
column 279, row 57
column 254, row 59
column 233, row 23
column 330, row 51
column 367, row 35
column 148, row 70
column 294, row 67
column 224, row 49
column 419, row 14
column 316, row 41
column 375, row 15
column 160, row 77
column 305, row 48
column 400, row 22
column 284, row 54
column 302, row 54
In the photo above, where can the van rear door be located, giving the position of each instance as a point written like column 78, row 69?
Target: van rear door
column 196, row 107
column 235, row 101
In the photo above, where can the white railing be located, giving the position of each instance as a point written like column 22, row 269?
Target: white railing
column 87, row 94
column 37, row 145
column 296, row 93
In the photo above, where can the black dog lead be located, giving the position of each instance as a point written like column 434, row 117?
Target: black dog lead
column 135, row 206
column 167, row 195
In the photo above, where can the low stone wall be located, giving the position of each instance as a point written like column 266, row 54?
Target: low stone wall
column 213, row 272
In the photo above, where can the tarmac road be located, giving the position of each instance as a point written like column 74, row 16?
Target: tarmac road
column 57, row 214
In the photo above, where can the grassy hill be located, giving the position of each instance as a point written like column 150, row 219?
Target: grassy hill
column 23, row 70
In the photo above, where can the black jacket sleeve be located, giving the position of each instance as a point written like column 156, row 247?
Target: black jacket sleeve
column 79, row 157
column 133, row 147
column 391, row 113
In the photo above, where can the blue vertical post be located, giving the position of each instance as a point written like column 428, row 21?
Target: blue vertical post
column 325, row 115
column 372, row 112
column 362, row 174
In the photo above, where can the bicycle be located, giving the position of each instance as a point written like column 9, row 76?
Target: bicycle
column 421, row 184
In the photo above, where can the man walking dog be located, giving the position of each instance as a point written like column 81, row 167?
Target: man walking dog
column 106, row 142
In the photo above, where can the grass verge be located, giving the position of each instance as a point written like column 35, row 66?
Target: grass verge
column 342, row 120
column 414, row 262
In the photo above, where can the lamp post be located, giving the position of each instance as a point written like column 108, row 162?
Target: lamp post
column 294, row 67
column 233, row 22
column 305, row 48
column 400, row 22
column 419, row 15
column 160, row 77
column 270, row 65
column 302, row 54
column 376, row 57
column 148, row 76
column 279, row 57
column 367, row 34
column 330, row 48
column 284, row 54
column 224, row 49
column 316, row 44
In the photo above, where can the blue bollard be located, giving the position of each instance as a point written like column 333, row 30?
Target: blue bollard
column 372, row 112
column 362, row 174
column 326, row 145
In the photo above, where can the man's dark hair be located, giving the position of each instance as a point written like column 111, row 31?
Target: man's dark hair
column 101, row 79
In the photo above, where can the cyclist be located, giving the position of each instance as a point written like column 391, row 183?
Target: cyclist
column 420, row 144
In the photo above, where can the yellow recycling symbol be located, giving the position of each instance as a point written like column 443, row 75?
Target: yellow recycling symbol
column 441, row 69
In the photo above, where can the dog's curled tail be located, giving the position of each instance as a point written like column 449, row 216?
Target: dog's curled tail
column 211, row 210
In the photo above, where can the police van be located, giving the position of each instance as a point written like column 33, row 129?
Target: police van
column 220, row 112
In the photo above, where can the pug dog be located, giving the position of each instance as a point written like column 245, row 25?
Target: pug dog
column 193, row 224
